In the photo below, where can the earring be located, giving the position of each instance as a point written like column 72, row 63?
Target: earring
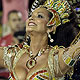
column 54, row 32
column 51, row 40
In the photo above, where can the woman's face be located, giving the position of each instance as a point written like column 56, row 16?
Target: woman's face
column 38, row 21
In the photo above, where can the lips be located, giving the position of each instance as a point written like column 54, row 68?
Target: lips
column 31, row 24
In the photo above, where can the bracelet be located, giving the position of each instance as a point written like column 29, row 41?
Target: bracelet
column 68, row 60
column 75, row 51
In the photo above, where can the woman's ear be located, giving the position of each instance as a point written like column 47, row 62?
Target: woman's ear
column 51, row 29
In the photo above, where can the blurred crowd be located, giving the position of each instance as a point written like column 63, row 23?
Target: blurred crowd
column 13, row 14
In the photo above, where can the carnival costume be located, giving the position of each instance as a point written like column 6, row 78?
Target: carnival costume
column 61, row 11
column 17, row 51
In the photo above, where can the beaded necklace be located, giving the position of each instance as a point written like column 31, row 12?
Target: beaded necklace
column 33, row 59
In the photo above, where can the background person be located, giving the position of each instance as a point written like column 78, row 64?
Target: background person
column 19, row 5
column 14, row 26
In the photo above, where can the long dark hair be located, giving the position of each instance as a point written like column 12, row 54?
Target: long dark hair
column 65, row 33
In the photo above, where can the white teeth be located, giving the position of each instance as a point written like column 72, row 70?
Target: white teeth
column 31, row 24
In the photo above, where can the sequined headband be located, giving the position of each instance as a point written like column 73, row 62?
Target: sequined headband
column 59, row 8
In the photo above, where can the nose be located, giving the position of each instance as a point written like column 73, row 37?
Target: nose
column 31, row 18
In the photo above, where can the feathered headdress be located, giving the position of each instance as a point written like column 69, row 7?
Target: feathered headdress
column 59, row 8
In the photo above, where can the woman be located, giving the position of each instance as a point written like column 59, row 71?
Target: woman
column 41, row 61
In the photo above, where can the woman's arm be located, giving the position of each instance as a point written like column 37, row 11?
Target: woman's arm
column 68, row 58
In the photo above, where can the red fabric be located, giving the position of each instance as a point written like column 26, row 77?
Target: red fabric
column 5, row 41
column 20, row 5
column 4, row 74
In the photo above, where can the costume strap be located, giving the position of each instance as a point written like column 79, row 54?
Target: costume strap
column 76, row 39
column 54, row 64
column 12, row 54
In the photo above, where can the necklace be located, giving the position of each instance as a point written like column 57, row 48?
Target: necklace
column 33, row 59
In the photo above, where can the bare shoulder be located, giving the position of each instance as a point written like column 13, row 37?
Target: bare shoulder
column 1, row 48
column 8, row 54
column 1, row 57
column 1, row 52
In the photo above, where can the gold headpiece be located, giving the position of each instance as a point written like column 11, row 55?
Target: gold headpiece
column 59, row 8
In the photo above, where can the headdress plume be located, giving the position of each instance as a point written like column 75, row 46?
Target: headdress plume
column 59, row 8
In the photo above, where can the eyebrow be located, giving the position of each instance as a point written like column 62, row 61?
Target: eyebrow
column 37, row 12
column 40, row 12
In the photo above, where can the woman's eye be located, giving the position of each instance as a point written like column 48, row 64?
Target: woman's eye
column 40, row 16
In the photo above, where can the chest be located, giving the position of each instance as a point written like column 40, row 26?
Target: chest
column 23, row 72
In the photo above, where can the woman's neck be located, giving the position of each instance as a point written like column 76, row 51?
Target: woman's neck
column 38, row 41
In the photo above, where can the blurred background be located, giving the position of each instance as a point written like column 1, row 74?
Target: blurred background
column 13, row 14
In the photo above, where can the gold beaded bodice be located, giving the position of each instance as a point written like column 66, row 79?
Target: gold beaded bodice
column 17, row 51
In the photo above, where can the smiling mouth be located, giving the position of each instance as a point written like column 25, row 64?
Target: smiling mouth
column 31, row 24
